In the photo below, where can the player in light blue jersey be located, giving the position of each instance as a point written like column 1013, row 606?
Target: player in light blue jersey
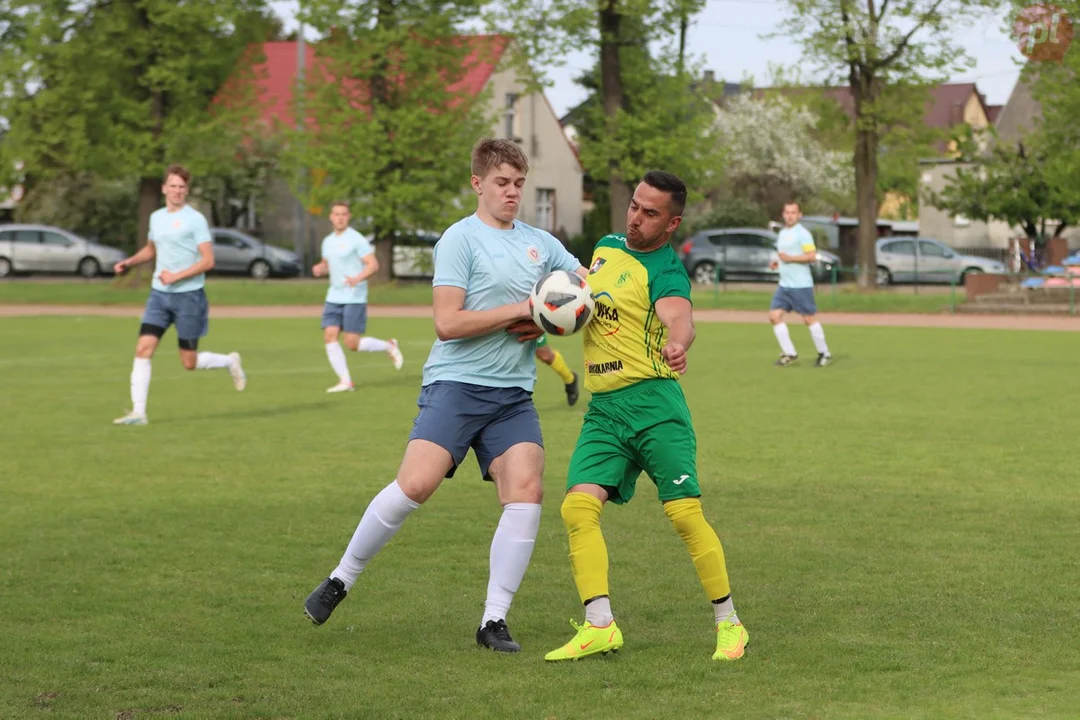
column 477, row 389
column 795, row 292
column 180, row 243
column 349, row 259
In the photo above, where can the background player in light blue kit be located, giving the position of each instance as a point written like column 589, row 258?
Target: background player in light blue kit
column 180, row 243
column 477, row 389
column 349, row 259
column 795, row 293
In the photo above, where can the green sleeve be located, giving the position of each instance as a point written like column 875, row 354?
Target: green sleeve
column 669, row 283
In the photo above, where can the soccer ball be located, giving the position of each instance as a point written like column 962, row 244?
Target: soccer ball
column 561, row 303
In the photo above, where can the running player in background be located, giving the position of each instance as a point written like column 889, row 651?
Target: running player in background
column 795, row 292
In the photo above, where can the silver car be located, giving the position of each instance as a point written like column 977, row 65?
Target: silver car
column 236, row 252
column 925, row 260
column 43, row 248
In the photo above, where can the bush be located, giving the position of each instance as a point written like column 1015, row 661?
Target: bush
column 733, row 212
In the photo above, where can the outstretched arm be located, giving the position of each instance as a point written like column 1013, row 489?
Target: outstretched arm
column 145, row 254
column 677, row 314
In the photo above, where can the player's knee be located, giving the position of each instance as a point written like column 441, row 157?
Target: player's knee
column 684, row 514
column 579, row 509
column 352, row 342
column 775, row 316
column 188, row 363
column 330, row 334
column 529, row 488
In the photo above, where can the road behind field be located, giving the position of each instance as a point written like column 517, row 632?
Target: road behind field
column 994, row 322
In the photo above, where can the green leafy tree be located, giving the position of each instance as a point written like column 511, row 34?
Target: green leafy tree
column 390, row 120
column 646, row 114
column 874, row 46
column 104, row 87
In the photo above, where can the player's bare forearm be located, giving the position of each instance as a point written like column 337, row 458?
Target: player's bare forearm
column 371, row 266
column 681, row 332
column 804, row 259
column 145, row 254
column 454, row 323
column 677, row 314
column 204, row 264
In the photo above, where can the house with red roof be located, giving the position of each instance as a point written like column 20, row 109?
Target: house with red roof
column 553, row 190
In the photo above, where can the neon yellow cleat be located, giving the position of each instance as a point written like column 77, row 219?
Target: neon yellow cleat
column 731, row 640
column 589, row 641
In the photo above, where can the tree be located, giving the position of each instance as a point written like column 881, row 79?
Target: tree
column 772, row 156
column 100, row 88
column 390, row 118
column 876, row 45
column 647, row 113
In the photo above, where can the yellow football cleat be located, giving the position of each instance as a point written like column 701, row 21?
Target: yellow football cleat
column 589, row 640
column 731, row 640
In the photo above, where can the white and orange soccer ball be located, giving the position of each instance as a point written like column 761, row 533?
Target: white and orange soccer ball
column 561, row 303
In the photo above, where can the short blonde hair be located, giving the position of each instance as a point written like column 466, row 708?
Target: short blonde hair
column 490, row 153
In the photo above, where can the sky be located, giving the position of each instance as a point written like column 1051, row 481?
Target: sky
column 727, row 37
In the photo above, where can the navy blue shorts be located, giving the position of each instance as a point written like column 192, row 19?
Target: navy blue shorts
column 188, row 311
column 350, row 317
column 800, row 300
column 456, row 416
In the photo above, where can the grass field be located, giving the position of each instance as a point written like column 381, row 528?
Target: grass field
column 901, row 530
column 223, row 291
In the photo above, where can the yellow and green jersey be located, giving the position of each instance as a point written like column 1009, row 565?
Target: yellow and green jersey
column 624, row 339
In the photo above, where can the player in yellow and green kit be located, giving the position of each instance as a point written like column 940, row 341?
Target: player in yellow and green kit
column 638, row 420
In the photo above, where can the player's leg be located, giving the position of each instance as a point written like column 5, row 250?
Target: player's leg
column 333, row 317
column 440, row 438
column 667, row 446
column 808, row 308
column 510, row 452
column 601, row 469
column 781, row 303
column 355, row 325
column 156, row 319
column 553, row 358
column 192, row 323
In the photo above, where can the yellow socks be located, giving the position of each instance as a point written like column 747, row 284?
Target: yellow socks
column 701, row 541
column 588, row 553
column 559, row 366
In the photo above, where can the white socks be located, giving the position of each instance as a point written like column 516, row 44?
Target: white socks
column 817, row 334
column 725, row 611
column 337, row 361
column 370, row 344
column 511, row 549
column 384, row 515
column 212, row 361
column 140, row 385
column 598, row 612
column 784, row 338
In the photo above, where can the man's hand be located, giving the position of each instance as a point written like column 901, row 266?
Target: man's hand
column 526, row 330
column 121, row 267
column 167, row 277
column 675, row 356
column 318, row 269
column 352, row 281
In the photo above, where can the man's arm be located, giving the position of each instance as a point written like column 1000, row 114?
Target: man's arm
column 677, row 314
column 806, row 257
column 203, row 264
column 454, row 323
column 320, row 268
column 145, row 254
column 371, row 266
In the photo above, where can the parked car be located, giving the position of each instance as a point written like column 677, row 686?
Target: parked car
column 742, row 254
column 908, row 259
column 236, row 252
column 43, row 248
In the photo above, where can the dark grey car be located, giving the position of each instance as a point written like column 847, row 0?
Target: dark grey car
column 43, row 248
column 238, row 253
column 742, row 254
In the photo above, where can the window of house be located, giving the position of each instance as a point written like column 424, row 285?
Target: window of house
column 545, row 209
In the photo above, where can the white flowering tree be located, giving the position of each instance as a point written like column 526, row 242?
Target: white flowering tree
column 772, row 154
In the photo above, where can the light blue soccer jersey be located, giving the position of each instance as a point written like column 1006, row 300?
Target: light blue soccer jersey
column 344, row 254
column 495, row 268
column 176, row 237
column 795, row 241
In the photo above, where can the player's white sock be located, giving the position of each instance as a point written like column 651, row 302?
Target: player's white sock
column 211, row 361
column 725, row 610
column 338, row 362
column 370, row 344
column 511, row 549
column 140, row 385
column 817, row 334
column 784, row 338
column 598, row 612
column 384, row 515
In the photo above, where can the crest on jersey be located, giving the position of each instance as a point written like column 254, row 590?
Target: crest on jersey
column 342, row 246
column 176, row 224
column 597, row 265
column 533, row 254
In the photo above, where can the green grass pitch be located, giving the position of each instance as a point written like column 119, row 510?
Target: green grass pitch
column 901, row 530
